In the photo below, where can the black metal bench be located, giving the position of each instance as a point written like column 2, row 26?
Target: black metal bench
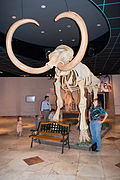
column 52, row 131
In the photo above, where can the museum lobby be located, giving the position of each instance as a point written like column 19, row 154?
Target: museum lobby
column 74, row 164
column 68, row 51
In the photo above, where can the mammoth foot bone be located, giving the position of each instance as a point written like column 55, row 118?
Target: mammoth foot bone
column 84, row 136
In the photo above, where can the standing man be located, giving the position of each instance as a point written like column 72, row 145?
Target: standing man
column 46, row 108
column 96, row 122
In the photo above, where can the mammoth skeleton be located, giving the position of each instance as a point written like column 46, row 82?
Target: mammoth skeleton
column 71, row 74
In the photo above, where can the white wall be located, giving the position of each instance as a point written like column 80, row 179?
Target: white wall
column 13, row 91
column 116, row 91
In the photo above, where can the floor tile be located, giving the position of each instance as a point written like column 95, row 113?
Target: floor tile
column 33, row 160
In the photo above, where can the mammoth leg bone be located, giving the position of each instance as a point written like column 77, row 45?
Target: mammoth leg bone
column 59, row 99
column 95, row 91
column 95, row 86
column 82, row 106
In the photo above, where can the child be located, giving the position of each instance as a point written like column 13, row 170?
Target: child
column 19, row 126
column 51, row 115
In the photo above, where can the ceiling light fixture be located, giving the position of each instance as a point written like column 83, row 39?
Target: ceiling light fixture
column 43, row 6
column 42, row 32
column 98, row 25
column 61, row 40
column 1, row 72
column 68, row 26
column 60, row 30
column 73, row 40
column 23, row 75
column 13, row 17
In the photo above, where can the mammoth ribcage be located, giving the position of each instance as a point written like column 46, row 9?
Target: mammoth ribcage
column 80, row 72
column 69, row 82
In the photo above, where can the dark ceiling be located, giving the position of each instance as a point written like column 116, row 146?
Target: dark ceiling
column 31, row 43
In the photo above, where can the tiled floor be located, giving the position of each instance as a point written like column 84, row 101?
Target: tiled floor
column 72, row 165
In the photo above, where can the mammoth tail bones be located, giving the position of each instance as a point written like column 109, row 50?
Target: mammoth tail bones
column 62, row 59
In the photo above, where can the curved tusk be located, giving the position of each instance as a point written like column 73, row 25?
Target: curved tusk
column 84, row 40
column 11, row 55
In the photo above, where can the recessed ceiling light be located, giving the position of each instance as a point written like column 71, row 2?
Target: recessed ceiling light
column 13, row 17
column 42, row 32
column 68, row 26
column 61, row 40
column 24, row 75
column 1, row 72
column 43, row 6
column 60, row 30
column 98, row 25
column 73, row 40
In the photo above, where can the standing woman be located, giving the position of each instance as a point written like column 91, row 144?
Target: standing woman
column 95, row 113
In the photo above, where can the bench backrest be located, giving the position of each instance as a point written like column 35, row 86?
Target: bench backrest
column 54, row 127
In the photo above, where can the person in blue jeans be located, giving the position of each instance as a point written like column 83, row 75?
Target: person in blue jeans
column 95, row 113
column 38, row 119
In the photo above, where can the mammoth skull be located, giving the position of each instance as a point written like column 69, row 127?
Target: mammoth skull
column 61, row 57
column 62, row 54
